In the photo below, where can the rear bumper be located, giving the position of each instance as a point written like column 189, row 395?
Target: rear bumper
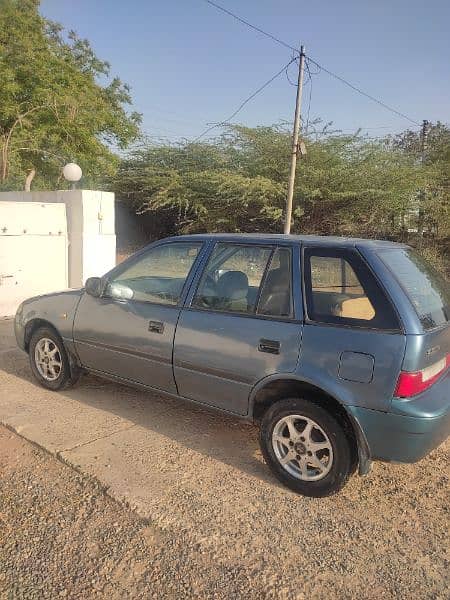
column 411, row 429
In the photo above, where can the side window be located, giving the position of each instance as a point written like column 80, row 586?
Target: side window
column 157, row 276
column 337, row 291
column 232, row 278
column 340, row 289
column 276, row 296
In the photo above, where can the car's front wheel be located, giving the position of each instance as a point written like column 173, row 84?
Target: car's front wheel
column 306, row 447
column 49, row 361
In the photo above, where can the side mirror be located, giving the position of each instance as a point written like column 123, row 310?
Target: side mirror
column 93, row 286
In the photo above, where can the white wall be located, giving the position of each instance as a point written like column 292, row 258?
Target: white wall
column 86, row 221
column 33, row 251
column 92, row 239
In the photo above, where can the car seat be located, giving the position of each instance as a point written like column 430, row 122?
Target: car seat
column 232, row 290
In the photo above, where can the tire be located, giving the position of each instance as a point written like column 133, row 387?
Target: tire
column 317, row 463
column 49, row 361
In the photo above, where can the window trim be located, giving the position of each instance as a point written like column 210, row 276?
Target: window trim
column 370, row 283
column 134, row 258
column 263, row 281
column 254, row 315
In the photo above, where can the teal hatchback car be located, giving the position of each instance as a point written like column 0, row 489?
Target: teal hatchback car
column 338, row 348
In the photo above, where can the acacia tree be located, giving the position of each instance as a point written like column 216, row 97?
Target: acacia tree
column 434, row 199
column 346, row 185
column 201, row 187
column 356, row 186
column 53, row 107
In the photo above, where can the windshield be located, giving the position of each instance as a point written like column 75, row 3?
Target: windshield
column 428, row 290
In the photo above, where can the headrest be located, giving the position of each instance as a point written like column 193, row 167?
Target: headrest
column 233, row 285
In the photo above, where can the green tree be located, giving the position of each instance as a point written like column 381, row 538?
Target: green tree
column 343, row 185
column 355, row 186
column 54, row 108
column 200, row 186
column 435, row 197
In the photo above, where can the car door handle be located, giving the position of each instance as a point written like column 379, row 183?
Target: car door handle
column 156, row 326
column 270, row 346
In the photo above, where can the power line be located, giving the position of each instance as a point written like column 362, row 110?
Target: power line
column 338, row 77
column 246, row 101
column 356, row 89
column 288, row 78
column 241, row 20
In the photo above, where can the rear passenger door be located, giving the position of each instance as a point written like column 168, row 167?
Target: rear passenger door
column 239, row 325
column 352, row 338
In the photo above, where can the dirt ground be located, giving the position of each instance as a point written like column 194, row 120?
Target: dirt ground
column 137, row 496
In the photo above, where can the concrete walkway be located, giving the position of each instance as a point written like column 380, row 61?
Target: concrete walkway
column 200, row 474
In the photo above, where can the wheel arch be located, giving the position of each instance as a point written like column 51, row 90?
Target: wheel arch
column 36, row 323
column 32, row 326
column 276, row 387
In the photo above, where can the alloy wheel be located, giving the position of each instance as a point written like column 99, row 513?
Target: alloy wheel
column 302, row 447
column 47, row 358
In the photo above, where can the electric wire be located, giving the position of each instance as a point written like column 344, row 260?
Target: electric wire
column 246, row 101
column 288, row 78
column 338, row 77
column 269, row 35
column 360, row 91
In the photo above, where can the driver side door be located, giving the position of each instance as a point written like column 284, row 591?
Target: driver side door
column 129, row 331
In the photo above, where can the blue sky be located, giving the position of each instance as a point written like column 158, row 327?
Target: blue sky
column 189, row 64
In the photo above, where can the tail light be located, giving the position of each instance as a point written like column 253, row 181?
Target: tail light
column 413, row 383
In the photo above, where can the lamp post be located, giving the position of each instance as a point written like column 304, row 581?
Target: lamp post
column 72, row 172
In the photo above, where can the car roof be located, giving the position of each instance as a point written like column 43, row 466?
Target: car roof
column 318, row 240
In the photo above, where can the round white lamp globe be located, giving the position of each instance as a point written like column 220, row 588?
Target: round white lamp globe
column 72, row 172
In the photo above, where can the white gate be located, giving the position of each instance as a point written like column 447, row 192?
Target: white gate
column 33, row 251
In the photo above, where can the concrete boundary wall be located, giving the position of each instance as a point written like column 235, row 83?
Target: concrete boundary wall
column 33, row 251
column 83, row 219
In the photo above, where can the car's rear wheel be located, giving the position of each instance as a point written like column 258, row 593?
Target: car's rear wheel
column 49, row 361
column 306, row 447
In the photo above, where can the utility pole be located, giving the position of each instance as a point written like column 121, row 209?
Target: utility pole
column 423, row 145
column 295, row 133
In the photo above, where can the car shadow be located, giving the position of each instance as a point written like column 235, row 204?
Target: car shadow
column 197, row 428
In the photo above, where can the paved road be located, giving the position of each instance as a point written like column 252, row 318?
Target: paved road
column 201, row 476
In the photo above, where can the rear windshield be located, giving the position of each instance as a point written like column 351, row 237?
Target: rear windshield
column 427, row 289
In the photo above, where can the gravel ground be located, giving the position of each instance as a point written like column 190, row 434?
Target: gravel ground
column 62, row 536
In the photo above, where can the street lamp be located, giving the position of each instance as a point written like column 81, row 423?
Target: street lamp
column 72, row 172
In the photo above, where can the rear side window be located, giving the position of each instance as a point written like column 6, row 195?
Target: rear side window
column 341, row 290
column 426, row 288
column 336, row 289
